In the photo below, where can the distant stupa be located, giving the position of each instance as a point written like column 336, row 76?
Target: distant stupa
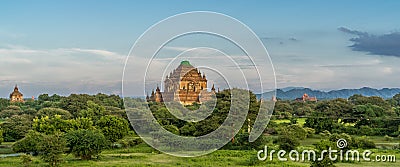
column 16, row 95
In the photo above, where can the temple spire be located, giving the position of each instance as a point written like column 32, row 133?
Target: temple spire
column 213, row 88
column 16, row 96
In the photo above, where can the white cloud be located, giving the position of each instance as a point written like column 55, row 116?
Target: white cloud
column 387, row 70
column 65, row 69
column 105, row 53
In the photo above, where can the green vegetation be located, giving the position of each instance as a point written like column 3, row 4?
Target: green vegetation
column 1, row 136
column 93, row 143
column 93, row 130
column 143, row 155
column 51, row 148
column 113, row 127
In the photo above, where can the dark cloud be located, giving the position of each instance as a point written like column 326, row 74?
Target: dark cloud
column 386, row 44
column 354, row 32
column 279, row 40
column 293, row 39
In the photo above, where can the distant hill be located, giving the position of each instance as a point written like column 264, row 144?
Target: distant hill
column 293, row 93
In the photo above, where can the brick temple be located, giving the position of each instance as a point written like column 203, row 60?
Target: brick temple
column 185, row 84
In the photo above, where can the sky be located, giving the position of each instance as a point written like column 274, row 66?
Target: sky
column 64, row 47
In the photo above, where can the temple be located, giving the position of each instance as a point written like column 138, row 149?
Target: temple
column 16, row 96
column 307, row 98
column 185, row 84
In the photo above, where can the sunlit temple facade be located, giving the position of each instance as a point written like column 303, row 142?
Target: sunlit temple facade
column 185, row 84
column 16, row 95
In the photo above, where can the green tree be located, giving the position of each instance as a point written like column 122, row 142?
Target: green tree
column 4, row 103
column 30, row 111
column 51, row 148
column 116, row 111
column 54, row 111
column 94, row 111
column 75, row 103
column 283, row 110
column 319, row 122
column 290, row 136
column 50, row 125
column 15, row 127
column 187, row 130
column 10, row 111
column 85, row 143
column 374, row 100
column 172, row 128
column 26, row 160
column 396, row 98
column 294, row 130
column 287, row 142
column 80, row 123
column 334, row 109
column 29, row 144
column 44, row 97
column 109, row 100
column 1, row 136
column 113, row 127
column 302, row 111
column 326, row 161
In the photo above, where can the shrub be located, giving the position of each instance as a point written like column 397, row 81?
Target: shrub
column 51, row 148
column 319, row 124
column 388, row 138
column 325, row 133
column 335, row 137
column 293, row 130
column 1, row 136
column 172, row 128
column 113, row 127
column 363, row 142
column 130, row 141
column 287, row 142
column 85, row 143
column 326, row 161
column 29, row 144
column 252, row 161
column 50, row 125
column 80, row 123
column 187, row 130
column 94, row 111
column 54, row 111
column 310, row 131
column 26, row 160
column 293, row 120
column 15, row 127
column 10, row 111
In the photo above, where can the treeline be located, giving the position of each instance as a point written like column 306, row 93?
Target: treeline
column 84, row 125
column 80, row 124
column 369, row 116
column 205, row 126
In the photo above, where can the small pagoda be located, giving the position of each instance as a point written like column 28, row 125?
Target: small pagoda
column 16, row 95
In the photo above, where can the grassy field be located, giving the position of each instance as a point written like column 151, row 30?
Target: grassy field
column 143, row 155
column 300, row 121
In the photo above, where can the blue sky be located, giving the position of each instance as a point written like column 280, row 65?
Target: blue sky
column 79, row 46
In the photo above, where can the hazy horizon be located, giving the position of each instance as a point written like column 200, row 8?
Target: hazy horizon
column 283, row 88
column 81, row 46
